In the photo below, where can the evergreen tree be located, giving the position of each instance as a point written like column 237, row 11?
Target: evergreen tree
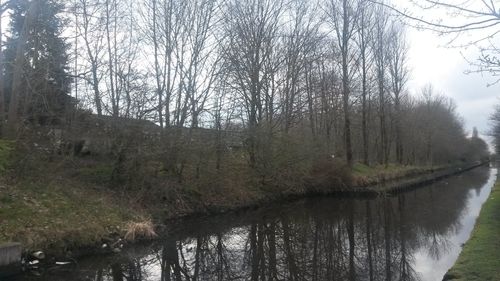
column 37, row 51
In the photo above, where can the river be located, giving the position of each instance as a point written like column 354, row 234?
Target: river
column 416, row 235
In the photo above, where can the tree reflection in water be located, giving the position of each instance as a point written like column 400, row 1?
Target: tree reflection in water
column 315, row 239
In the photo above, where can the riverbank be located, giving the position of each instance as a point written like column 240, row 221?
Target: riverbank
column 68, row 205
column 480, row 257
column 59, row 215
column 410, row 179
column 418, row 219
column 62, row 214
column 45, row 208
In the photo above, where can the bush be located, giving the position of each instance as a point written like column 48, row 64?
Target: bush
column 328, row 174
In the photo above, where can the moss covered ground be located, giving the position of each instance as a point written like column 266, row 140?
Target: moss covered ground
column 44, row 210
column 480, row 257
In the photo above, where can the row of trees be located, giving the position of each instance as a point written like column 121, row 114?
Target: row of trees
column 475, row 19
column 298, row 78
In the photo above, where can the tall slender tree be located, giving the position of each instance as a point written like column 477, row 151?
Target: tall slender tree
column 343, row 15
column 399, row 73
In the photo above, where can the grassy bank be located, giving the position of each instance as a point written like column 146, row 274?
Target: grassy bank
column 364, row 175
column 59, row 203
column 480, row 257
column 58, row 215
column 47, row 210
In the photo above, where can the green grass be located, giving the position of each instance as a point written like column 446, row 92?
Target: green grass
column 98, row 173
column 364, row 175
column 57, row 206
column 6, row 148
column 360, row 169
column 480, row 257
column 57, row 214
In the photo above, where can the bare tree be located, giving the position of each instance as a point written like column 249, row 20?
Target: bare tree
column 343, row 15
column 251, row 31
column 399, row 74
column 91, row 15
column 163, row 20
column 381, row 57
column 477, row 17
column 111, row 26
column 300, row 36
column 203, row 63
column 2, row 92
column 365, row 28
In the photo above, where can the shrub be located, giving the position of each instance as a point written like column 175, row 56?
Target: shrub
column 328, row 174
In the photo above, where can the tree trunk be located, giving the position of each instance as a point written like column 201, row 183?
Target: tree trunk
column 2, row 93
column 345, row 84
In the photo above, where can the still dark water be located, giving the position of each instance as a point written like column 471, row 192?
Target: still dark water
column 411, row 236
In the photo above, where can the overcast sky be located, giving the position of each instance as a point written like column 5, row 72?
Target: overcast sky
column 433, row 61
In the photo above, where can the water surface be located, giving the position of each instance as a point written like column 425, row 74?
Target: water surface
column 415, row 235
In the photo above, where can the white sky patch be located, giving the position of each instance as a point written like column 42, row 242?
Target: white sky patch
column 429, row 63
column 433, row 61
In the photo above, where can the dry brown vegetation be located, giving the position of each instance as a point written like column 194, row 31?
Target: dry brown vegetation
column 140, row 230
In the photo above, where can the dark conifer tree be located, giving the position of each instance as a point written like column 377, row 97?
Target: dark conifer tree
column 35, row 43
